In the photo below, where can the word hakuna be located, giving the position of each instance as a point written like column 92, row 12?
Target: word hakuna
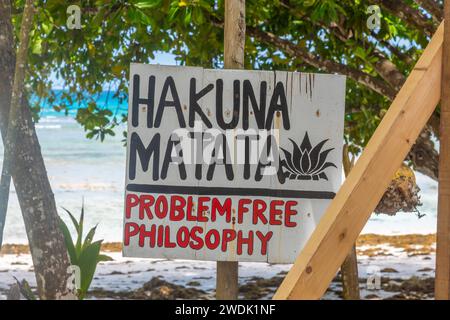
column 218, row 142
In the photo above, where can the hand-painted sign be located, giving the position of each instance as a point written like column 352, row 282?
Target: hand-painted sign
column 229, row 165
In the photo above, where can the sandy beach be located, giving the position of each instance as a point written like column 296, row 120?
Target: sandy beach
column 403, row 265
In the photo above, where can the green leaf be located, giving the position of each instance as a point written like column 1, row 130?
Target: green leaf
column 149, row 4
column 74, row 221
column 89, row 237
column 145, row 19
column 172, row 13
column 197, row 15
column 80, row 229
column 104, row 257
column 88, row 263
column 360, row 52
column 25, row 289
column 37, row 46
column 68, row 241
column 85, row 254
column 187, row 16
column 133, row 15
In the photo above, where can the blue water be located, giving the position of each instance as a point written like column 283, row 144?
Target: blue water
column 118, row 105
column 78, row 168
column 81, row 168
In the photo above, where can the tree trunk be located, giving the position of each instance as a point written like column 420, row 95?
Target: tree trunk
column 349, row 268
column 350, row 279
column 424, row 156
column 14, row 111
column 31, row 182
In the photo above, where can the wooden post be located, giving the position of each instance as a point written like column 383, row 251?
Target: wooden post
column 442, row 282
column 234, row 42
column 349, row 211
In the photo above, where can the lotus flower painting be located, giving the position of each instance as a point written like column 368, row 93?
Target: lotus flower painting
column 306, row 162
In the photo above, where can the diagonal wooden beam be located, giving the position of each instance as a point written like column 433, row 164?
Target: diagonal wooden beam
column 347, row 214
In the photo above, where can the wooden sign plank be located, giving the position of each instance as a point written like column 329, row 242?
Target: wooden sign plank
column 273, row 177
column 347, row 214
column 442, row 282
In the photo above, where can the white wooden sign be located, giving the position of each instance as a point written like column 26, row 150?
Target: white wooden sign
column 229, row 165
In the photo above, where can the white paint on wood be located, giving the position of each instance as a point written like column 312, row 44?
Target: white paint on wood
column 314, row 106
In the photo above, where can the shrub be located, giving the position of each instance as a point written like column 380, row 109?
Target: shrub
column 83, row 253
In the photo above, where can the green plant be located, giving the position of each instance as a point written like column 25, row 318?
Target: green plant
column 21, row 288
column 83, row 253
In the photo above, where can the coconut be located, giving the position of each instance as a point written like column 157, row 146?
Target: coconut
column 402, row 193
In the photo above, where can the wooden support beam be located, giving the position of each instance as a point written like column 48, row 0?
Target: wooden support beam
column 442, row 282
column 227, row 284
column 347, row 214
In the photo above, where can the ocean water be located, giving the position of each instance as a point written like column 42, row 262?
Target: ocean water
column 80, row 168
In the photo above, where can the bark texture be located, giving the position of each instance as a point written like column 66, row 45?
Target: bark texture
column 424, row 155
column 31, row 182
column 349, row 268
column 350, row 279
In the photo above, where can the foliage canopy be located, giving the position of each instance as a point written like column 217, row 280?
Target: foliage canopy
column 305, row 35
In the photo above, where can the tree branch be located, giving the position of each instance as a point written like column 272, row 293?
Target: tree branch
column 423, row 155
column 411, row 16
column 384, row 66
column 433, row 8
column 293, row 50
column 395, row 51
